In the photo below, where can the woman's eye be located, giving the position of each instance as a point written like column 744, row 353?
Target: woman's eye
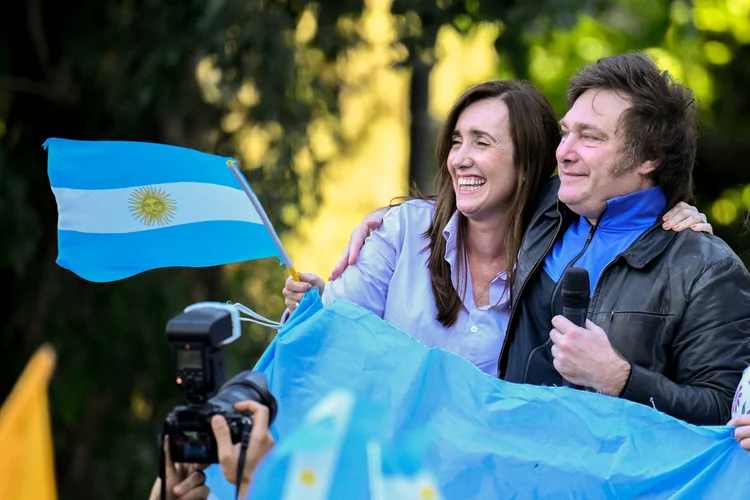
column 482, row 144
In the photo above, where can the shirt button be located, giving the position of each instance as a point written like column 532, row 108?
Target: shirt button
column 474, row 329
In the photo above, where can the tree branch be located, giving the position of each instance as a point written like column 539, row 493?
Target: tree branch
column 57, row 93
column 38, row 38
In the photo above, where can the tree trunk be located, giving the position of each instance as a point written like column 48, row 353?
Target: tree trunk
column 420, row 140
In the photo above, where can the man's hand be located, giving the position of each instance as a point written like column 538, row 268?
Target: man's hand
column 742, row 432
column 294, row 290
column 260, row 442
column 357, row 239
column 584, row 356
column 184, row 482
column 683, row 216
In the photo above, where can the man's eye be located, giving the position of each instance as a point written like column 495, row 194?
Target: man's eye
column 588, row 137
column 482, row 144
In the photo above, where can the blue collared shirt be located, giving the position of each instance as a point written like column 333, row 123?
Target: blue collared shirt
column 391, row 279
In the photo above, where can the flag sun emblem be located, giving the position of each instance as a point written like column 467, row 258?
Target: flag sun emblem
column 151, row 206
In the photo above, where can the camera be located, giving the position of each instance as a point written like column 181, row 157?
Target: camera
column 199, row 372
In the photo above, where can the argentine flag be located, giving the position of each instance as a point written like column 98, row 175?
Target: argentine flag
column 337, row 452
column 127, row 207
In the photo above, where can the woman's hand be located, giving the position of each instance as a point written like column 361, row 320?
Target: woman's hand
column 294, row 290
column 684, row 216
column 742, row 432
column 357, row 240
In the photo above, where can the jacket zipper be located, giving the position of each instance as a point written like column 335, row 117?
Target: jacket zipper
column 552, row 302
column 570, row 264
column 599, row 282
column 523, row 287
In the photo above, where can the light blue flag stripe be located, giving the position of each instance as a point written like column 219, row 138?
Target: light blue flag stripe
column 114, row 164
column 103, row 257
column 494, row 439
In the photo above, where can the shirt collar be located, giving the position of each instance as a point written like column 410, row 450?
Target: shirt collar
column 450, row 233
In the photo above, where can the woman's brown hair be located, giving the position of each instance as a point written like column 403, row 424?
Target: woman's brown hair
column 535, row 135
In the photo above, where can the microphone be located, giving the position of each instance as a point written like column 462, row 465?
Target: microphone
column 575, row 295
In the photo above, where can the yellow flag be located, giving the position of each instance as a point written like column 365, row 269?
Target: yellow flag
column 27, row 469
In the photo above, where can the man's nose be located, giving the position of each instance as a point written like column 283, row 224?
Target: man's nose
column 566, row 150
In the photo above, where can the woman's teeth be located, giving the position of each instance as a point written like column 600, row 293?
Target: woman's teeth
column 470, row 184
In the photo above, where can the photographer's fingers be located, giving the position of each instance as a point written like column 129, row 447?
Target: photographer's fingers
column 200, row 493
column 168, row 465
column 255, row 409
column 227, row 453
column 155, row 490
column 193, row 487
column 260, row 440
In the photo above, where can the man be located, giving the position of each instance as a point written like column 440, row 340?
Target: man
column 670, row 311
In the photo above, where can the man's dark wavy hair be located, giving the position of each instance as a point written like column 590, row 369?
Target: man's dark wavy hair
column 661, row 123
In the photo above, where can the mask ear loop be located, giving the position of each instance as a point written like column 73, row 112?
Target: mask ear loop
column 261, row 323
column 256, row 318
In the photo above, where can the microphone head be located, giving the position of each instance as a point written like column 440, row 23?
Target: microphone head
column 575, row 288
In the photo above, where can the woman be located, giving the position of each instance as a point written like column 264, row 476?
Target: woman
column 741, row 412
column 436, row 270
column 441, row 270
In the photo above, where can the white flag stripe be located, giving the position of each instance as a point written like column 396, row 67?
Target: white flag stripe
column 418, row 487
column 109, row 210
column 374, row 470
column 310, row 474
column 337, row 405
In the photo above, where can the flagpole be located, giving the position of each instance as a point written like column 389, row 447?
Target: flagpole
column 263, row 217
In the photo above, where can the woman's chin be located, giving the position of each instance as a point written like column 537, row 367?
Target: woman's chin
column 470, row 210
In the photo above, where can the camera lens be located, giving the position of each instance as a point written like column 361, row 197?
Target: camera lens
column 246, row 385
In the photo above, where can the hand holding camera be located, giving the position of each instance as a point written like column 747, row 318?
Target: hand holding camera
column 187, row 482
column 183, row 481
column 228, row 425
column 260, row 443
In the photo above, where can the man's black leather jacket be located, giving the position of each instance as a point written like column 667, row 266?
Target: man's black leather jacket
column 675, row 305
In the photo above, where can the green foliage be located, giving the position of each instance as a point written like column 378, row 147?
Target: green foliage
column 162, row 72
column 704, row 44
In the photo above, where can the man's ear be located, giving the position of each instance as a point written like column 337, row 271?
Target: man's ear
column 647, row 167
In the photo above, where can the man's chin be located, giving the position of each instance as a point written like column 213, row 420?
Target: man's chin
column 568, row 196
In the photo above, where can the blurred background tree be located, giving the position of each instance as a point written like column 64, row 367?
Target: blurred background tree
column 332, row 108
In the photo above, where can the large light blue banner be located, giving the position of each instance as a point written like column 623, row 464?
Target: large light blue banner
column 489, row 438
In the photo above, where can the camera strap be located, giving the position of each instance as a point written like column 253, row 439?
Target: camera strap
column 246, row 423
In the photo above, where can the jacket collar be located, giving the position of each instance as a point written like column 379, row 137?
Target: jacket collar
column 648, row 245
column 633, row 212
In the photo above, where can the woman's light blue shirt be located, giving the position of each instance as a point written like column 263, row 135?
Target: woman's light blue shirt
column 391, row 279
